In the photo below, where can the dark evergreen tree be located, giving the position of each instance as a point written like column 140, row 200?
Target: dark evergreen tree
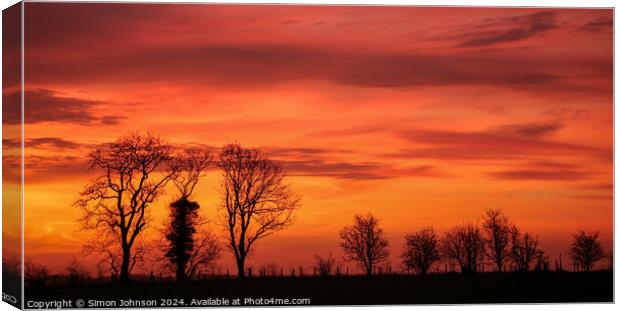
column 184, row 219
column 180, row 234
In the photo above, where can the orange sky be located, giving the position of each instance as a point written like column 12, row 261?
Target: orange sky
column 422, row 116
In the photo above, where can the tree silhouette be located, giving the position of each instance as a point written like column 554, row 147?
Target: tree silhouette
column 135, row 168
column 421, row 250
column 110, row 254
column 256, row 200
column 184, row 217
column 76, row 273
column 497, row 237
column 364, row 242
column 586, row 250
column 324, row 265
column 205, row 251
column 524, row 249
column 465, row 245
column 11, row 267
column 36, row 274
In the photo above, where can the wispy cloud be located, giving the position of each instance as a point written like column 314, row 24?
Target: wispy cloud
column 599, row 24
column 503, row 142
column 499, row 30
column 527, row 130
column 42, row 105
column 43, row 143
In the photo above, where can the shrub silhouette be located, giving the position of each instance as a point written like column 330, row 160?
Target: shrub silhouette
column 324, row 265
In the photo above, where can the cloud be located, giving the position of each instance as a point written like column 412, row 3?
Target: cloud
column 508, row 29
column 594, row 197
column 322, row 162
column 527, row 130
column 298, row 151
column 43, row 143
column 570, row 113
column 550, row 175
column 521, row 142
column 48, row 106
column 251, row 65
column 357, row 130
column 340, row 170
column 42, row 169
column 52, row 142
column 598, row 186
column 354, row 171
column 190, row 46
column 599, row 24
column 543, row 170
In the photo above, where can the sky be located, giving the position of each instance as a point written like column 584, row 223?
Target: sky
column 422, row 116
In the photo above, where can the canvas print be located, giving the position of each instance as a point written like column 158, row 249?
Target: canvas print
column 200, row 155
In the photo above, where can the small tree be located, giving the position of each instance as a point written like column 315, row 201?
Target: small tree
column 364, row 242
column 524, row 249
column 76, row 273
column 497, row 237
column 465, row 246
column 421, row 250
column 110, row 256
column 542, row 262
column 586, row 250
column 324, row 265
column 36, row 274
column 205, row 252
column 256, row 201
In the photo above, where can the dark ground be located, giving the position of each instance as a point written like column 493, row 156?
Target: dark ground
column 533, row 287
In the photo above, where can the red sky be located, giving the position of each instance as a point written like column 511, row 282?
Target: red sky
column 422, row 116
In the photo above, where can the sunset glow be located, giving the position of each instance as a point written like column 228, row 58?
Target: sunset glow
column 422, row 116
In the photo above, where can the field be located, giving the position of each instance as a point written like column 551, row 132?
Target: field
column 533, row 287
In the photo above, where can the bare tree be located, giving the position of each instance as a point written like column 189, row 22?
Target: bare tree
column 465, row 246
column 421, row 250
column 324, row 265
column 11, row 266
column 497, row 237
column 135, row 169
column 256, row 200
column 76, row 273
column 110, row 255
column 36, row 274
column 364, row 242
column 204, row 254
column 586, row 250
column 542, row 262
column 524, row 249
column 184, row 218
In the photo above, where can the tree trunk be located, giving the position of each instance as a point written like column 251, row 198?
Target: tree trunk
column 241, row 268
column 181, row 276
column 124, row 277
